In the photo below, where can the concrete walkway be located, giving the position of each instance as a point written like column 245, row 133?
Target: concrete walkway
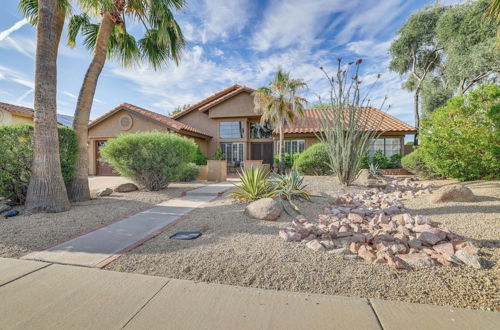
column 97, row 248
column 37, row 295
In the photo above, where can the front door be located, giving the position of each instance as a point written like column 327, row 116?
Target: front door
column 102, row 168
column 262, row 151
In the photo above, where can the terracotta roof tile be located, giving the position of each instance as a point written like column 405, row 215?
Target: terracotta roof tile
column 17, row 110
column 205, row 101
column 172, row 123
column 311, row 122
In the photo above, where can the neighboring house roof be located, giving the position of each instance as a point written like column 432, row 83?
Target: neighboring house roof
column 25, row 112
column 167, row 121
column 214, row 99
column 311, row 122
column 17, row 110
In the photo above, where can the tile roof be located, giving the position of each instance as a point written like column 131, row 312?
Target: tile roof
column 383, row 122
column 214, row 99
column 17, row 110
column 171, row 123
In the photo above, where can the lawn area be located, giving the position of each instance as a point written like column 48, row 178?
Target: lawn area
column 235, row 249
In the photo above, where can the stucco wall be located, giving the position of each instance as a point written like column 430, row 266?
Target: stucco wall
column 240, row 105
column 7, row 118
column 200, row 120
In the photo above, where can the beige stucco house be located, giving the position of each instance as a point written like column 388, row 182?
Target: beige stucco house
column 227, row 120
column 12, row 114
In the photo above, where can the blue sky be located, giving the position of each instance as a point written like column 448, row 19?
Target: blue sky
column 236, row 41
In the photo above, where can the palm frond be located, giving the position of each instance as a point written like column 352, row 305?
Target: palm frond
column 76, row 24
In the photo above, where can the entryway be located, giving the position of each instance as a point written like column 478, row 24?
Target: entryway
column 262, row 151
column 102, row 168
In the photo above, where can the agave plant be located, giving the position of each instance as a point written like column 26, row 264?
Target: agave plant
column 289, row 187
column 374, row 169
column 255, row 184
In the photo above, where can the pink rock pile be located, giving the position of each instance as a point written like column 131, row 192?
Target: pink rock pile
column 373, row 226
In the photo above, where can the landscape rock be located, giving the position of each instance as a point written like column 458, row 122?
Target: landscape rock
column 5, row 208
column 468, row 259
column 264, row 209
column 428, row 237
column 444, row 248
column 104, row 192
column 290, row 236
column 126, row 187
column 417, row 260
column 365, row 177
column 340, row 252
column 454, row 193
column 315, row 245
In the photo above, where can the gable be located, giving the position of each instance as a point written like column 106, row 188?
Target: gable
column 240, row 105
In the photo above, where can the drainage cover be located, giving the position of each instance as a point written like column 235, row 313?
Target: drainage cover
column 186, row 235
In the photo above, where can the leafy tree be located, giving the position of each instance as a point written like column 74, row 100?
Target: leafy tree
column 279, row 105
column 179, row 108
column 435, row 94
column 468, row 42
column 417, row 52
column 462, row 139
column 46, row 189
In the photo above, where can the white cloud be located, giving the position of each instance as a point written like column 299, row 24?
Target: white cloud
column 369, row 47
column 5, row 33
column 23, row 45
column 20, row 100
column 15, row 76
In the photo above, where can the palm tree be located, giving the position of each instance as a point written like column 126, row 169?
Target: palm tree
column 163, row 41
column 493, row 10
column 46, row 190
column 279, row 104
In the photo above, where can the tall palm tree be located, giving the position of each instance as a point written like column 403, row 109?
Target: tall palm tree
column 279, row 104
column 46, row 190
column 162, row 41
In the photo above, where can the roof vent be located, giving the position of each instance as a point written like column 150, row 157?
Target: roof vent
column 126, row 122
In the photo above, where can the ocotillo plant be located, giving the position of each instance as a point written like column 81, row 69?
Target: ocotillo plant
column 348, row 126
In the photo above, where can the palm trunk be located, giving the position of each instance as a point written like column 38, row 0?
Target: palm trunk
column 281, row 164
column 416, row 115
column 46, row 190
column 78, row 188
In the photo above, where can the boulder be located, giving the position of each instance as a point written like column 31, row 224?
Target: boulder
column 264, row 209
column 454, row 193
column 126, row 187
column 5, row 208
column 104, row 192
column 417, row 260
column 468, row 259
column 364, row 177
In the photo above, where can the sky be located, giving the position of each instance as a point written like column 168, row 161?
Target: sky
column 229, row 42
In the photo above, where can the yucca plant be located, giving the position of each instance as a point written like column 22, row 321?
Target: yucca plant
column 255, row 184
column 289, row 187
column 374, row 169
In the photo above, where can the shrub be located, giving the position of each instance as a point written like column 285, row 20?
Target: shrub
column 365, row 161
column 380, row 159
column 414, row 163
column 199, row 158
column 255, row 184
column 313, row 161
column 462, row 139
column 218, row 155
column 395, row 161
column 186, row 173
column 289, row 159
column 16, row 157
column 151, row 159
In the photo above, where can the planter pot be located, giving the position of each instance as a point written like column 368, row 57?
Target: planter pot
column 203, row 172
column 217, row 170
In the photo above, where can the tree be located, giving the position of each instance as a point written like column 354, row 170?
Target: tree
column 417, row 52
column 435, row 94
column 46, row 189
column 468, row 42
column 162, row 41
column 179, row 108
column 279, row 105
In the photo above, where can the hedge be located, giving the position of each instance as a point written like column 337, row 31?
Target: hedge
column 16, row 158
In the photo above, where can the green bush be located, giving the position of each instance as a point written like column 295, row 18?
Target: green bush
column 151, row 159
column 462, row 139
column 187, row 173
column 380, row 159
column 394, row 161
column 365, row 161
column 313, row 161
column 414, row 163
column 16, row 157
column 289, row 159
column 199, row 158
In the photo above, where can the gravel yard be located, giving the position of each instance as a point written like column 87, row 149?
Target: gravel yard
column 237, row 250
column 24, row 234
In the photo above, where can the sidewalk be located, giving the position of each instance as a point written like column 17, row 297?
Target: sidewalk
column 37, row 295
column 99, row 247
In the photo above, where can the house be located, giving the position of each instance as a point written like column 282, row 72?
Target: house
column 227, row 120
column 11, row 114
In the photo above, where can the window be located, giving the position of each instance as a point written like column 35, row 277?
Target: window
column 261, row 131
column 231, row 129
column 232, row 151
column 389, row 146
column 291, row 146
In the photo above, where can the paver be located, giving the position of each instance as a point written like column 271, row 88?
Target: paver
column 395, row 315
column 11, row 269
column 68, row 297
column 189, row 305
column 93, row 248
